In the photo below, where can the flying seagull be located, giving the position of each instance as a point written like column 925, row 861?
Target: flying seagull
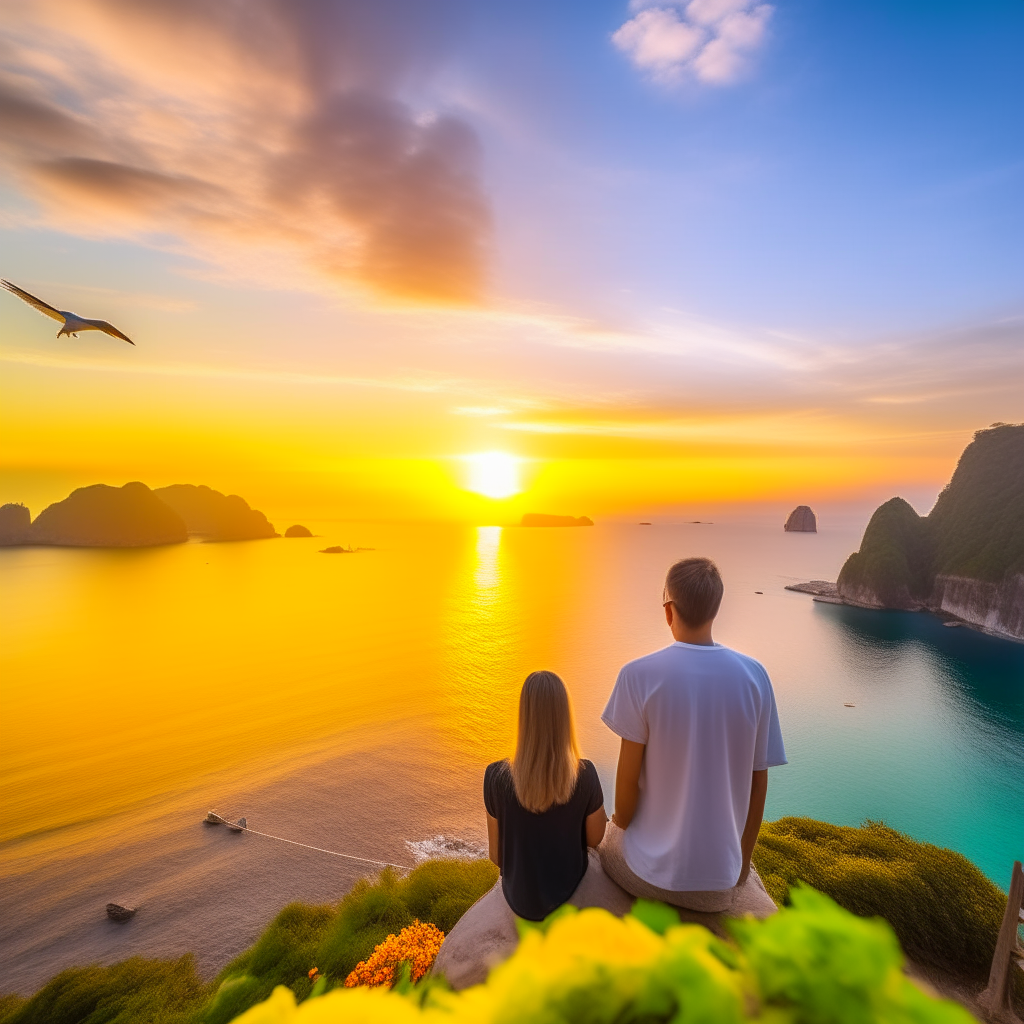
column 73, row 323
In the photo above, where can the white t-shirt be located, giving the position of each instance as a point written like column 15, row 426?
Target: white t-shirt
column 708, row 718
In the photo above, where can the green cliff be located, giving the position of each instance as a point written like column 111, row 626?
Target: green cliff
column 966, row 557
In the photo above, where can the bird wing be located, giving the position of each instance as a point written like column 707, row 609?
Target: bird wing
column 43, row 307
column 107, row 328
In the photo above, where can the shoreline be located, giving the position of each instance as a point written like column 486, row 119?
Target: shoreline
column 826, row 592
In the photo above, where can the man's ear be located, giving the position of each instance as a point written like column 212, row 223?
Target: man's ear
column 668, row 613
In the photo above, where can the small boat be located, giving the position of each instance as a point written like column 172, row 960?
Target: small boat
column 119, row 912
column 849, row 705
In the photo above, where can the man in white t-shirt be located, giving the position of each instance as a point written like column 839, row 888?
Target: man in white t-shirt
column 699, row 731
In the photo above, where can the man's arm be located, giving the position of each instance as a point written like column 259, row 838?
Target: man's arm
column 758, row 792
column 627, row 782
column 493, row 840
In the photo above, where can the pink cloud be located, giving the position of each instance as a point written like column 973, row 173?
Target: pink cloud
column 709, row 40
column 272, row 123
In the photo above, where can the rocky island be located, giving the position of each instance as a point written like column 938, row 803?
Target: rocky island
column 965, row 559
column 540, row 519
column 801, row 520
column 214, row 516
column 99, row 516
column 132, row 516
column 298, row 530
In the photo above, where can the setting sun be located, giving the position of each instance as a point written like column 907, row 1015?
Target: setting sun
column 493, row 474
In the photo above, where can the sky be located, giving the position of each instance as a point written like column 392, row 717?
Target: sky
column 657, row 255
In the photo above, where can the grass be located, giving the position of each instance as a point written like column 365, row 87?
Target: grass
column 944, row 911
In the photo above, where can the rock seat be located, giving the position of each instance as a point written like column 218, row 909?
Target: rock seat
column 486, row 934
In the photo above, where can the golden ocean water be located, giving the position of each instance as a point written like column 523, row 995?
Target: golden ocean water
column 352, row 701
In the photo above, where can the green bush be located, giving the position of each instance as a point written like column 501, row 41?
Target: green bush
column 131, row 992
column 813, row 963
column 945, row 912
column 439, row 891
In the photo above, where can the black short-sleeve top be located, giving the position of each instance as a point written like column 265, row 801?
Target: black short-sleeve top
column 543, row 856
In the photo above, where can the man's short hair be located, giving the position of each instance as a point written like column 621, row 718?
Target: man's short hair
column 694, row 586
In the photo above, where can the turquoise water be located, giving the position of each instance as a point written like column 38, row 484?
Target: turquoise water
column 352, row 702
column 935, row 746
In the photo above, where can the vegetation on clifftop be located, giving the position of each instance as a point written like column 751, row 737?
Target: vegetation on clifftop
column 975, row 530
column 812, row 963
column 943, row 910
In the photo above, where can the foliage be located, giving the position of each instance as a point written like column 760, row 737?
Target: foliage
column 812, row 962
column 439, row 892
column 976, row 528
column 979, row 517
column 126, row 993
column 417, row 945
column 945, row 912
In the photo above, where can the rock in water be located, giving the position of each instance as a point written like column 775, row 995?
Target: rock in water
column 15, row 523
column 108, row 517
column 215, row 516
column 801, row 520
column 297, row 531
column 119, row 912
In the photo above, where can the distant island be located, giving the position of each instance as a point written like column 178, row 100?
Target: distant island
column 801, row 520
column 965, row 559
column 101, row 516
column 214, row 516
column 540, row 519
column 298, row 530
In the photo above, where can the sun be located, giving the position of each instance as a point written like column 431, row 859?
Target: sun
column 493, row 474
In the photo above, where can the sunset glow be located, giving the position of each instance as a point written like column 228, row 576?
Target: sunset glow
column 493, row 474
column 420, row 253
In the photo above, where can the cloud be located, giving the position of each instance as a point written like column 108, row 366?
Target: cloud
column 709, row 40
column 277, row 124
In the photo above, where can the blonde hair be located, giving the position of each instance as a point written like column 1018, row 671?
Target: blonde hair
column 547, row 758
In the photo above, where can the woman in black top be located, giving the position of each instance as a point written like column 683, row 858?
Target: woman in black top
column 545, row 807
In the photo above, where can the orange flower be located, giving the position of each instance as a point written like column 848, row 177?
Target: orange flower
column 419, row 944
column 314, row 973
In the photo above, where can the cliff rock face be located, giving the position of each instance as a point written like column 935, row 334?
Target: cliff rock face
column 15, row 523
column 540, row 519
column 993, row 607
column 108, row 517
column 214, row 516
column 801, row 520
column 966, row 557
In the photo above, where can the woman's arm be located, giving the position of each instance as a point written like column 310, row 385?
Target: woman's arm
column 627, row 782
column 493, row 840
column 595, row 827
